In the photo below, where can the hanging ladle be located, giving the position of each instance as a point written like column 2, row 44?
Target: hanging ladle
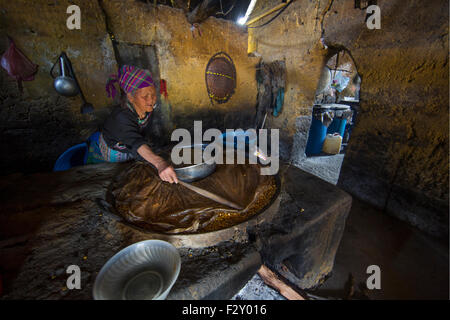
column 66, row 84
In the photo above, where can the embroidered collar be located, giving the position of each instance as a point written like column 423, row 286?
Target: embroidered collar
column 142, row 122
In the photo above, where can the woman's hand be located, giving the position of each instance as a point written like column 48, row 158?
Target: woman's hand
column 165, row 172
column 168, row 174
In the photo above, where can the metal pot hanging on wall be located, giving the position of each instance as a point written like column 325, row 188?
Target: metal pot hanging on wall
column 66, row 84
column 220, row 78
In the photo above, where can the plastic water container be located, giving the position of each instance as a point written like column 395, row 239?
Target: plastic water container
column 332, row 143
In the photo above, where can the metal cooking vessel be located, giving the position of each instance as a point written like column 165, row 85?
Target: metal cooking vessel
column 196, row 171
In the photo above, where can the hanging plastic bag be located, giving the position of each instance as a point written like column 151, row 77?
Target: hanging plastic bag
column 18, row 65
column 340, row 82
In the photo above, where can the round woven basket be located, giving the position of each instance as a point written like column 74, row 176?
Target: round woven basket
column 220, row 78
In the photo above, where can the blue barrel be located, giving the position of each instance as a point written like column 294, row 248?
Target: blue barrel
column 317, row 133
column 339, row 122
column 337, row 126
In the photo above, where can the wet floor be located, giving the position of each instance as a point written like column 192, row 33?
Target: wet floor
column 412, row 264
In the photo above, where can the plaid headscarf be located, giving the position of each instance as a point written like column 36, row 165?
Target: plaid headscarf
column 130, row 78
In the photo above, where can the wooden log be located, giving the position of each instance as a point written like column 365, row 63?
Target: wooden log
column 272, row 280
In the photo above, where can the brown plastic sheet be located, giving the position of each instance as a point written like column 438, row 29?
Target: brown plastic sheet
column 143, row 199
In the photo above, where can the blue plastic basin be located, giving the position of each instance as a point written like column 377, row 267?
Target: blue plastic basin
column 72, row 157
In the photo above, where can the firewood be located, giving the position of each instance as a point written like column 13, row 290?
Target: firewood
column 272, row 280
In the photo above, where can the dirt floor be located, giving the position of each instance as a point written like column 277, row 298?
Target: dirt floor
column 413, row 265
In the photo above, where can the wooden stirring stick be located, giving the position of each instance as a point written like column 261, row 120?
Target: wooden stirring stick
column 210, row 195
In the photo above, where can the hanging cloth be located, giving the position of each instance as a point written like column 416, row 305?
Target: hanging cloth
column 278, row 102
column 18, row 65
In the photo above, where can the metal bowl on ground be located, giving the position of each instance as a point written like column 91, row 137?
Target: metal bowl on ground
column 192, row 172
column 146, row 270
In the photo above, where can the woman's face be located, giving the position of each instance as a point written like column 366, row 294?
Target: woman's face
column 144, row 99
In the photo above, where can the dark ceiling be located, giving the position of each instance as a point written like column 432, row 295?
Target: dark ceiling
column 224, row 9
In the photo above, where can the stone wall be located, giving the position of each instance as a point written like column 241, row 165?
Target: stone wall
column 397, row 157
column 39, row 125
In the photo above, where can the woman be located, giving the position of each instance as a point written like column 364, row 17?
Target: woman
column 122, row 136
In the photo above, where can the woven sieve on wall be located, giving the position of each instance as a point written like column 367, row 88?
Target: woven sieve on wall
column 220, row 78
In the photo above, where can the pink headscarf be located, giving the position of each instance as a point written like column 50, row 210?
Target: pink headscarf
column 130, row 78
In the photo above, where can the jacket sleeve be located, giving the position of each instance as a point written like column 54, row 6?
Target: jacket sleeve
column 129, row 134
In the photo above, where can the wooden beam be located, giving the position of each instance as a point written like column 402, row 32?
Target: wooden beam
column 202, row 11
column 276, row 8
column 272, row 280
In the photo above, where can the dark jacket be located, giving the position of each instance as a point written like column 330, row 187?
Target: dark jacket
column 124, row 131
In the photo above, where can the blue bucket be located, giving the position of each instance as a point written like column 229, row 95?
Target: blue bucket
column 237, row 137
column 72, row 157
column 77, row 155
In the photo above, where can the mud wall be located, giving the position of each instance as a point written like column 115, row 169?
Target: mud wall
column 183, row 59
column 398, row 153
column 37, row 126
column 293, row 37
column 397, row 157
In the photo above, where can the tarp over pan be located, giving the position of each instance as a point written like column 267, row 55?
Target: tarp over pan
column 144, row 200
